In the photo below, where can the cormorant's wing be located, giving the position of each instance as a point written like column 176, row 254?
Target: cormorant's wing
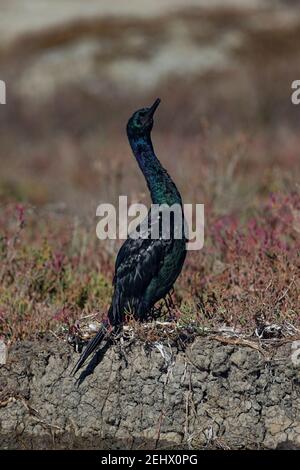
column 138, row 262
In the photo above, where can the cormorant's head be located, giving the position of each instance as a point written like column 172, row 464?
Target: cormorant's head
column 141, row 122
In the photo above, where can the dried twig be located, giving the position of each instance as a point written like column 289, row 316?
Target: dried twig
column 240, row 342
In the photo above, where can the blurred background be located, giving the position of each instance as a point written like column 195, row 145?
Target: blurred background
column 226, row 129
column 75, row 71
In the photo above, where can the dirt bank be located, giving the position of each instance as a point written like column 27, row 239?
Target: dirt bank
column 210, row 395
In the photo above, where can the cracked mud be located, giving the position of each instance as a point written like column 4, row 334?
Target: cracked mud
column 212, row 395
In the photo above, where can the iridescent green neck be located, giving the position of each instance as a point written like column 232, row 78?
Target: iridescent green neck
column 160, row 184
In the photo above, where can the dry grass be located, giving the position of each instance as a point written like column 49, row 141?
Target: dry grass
column 53, row 272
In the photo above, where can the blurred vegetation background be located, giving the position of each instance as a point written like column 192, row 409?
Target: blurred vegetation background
column 226, row 131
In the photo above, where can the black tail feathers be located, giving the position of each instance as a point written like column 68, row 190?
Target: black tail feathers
column 94, row 342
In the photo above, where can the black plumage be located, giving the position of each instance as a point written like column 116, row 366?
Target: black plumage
column 146, row 268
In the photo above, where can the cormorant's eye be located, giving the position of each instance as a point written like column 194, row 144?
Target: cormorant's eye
column 139, row 120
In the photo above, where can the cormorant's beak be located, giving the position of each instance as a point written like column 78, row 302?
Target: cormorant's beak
column 154, row 107
column 149, row 115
